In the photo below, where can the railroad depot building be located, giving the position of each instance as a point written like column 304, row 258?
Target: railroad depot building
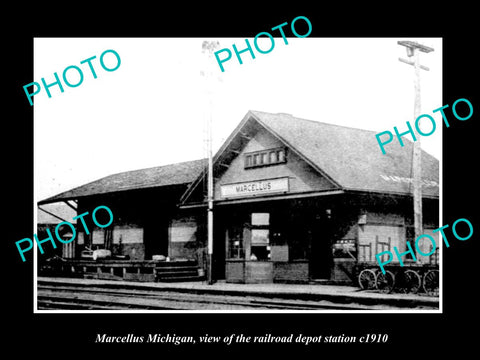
column 295, row 200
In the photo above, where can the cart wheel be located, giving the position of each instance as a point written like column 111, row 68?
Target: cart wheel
column 413, row 281
column 367, row 279
column 385, row 282
column 430, row 282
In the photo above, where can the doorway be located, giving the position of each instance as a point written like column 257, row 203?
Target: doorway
column 155, row 235
column 321, row 258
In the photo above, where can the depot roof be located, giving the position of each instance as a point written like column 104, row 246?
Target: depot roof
column 160, row 176
column 352, row 157
column 349, row 157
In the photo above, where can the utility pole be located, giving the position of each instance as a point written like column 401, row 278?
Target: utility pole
column 413, row 50
column 208, row 48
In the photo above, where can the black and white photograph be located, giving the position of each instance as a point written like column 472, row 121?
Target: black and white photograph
column 258, row 195
column 265, row 187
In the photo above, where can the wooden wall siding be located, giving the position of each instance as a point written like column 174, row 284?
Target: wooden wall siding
column 182, row 235
column 344, row 270
column 385, row 219
column 235, row 271
column 98, row 237
column 183, row 229
column 279, row 253
column 426, row 245
column 182, row 250
column 249, row 272
column 129, row 235
column 387, row 227
column 135, row 251
column 381, row 227
column 80, row 238
column 258, row 272
column 369, row 234
column 290, row 272
column 302, row 176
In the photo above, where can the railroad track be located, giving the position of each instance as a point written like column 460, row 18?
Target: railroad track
column 81, row 297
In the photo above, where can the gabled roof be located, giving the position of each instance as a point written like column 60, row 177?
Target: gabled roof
column 168, row 175
column 350, row 158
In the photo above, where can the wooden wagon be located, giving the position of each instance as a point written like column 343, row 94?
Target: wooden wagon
column 412, row 277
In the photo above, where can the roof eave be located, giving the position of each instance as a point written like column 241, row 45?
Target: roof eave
column 390, row 193
column 60, row 198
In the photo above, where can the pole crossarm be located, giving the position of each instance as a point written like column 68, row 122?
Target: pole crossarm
column 414, row 45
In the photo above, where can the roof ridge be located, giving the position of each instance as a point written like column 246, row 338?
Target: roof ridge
column 312, row 121
column 150, row 167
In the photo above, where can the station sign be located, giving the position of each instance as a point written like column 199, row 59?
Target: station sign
column 255, row 188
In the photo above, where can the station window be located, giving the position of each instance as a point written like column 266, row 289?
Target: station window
column 265, row 157
column 235, row 243
column 260, row 244
column 273, row 157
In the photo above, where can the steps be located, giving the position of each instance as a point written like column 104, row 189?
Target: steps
column 176, row 271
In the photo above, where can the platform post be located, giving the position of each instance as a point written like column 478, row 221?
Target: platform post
column 208, row 48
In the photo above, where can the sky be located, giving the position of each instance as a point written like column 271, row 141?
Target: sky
column 152, row 110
